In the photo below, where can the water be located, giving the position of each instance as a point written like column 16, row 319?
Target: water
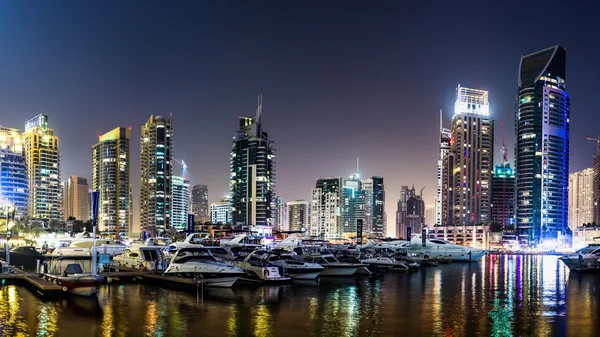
column 499, row 296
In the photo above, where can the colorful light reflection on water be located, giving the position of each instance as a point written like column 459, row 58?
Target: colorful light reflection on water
column 499, row 296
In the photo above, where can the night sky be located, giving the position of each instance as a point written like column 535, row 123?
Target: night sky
column 340, row 79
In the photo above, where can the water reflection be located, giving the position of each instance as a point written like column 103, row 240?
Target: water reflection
column 500, row 296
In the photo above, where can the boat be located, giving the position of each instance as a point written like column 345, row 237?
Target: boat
column 83, row 247
column 441, row 250
column 23, row 256
column 386, row 263
column 586, row 258
column 258, row 269
column 141, row 257
column 199, row 263
column 242, row 244
column 75, row 281
column 194, row 240
column 293, row 266
column 332, row 266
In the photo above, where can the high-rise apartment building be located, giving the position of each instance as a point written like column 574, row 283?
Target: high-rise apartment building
column 156, row 171
column 445, row 144
column 415, row 213
column 503, row 196
column 374, row 195
column 200, row 203
column 298, row 215
column 220, row 213
column 180, row 200
column 279, row 214
column 581, row 198
column 43, row 169
column 542, row 148
column 472, row 147
column 353, row 205
column 447, row 203
column 76, row 196
column 401, row 211
column 326, row 207
column 111, row 158
column 14, row 185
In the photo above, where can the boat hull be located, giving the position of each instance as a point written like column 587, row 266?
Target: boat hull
column 217, row 280
column 333, row 270
column 82, row 285
column 575, row 263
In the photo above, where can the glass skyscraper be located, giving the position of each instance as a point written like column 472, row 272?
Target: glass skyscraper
column 542, row 149
column 14, row 187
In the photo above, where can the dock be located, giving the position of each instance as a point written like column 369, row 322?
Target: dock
column 35, row 283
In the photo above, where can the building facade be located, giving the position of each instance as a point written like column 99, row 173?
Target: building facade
column 429, row 215
column 156, row 168
column 14, row 182
column 76, row 198
column 476, row 236
column 353, row 205
column 472, row 147
column 415, row 213
column 402, row 211
column 111, row 158
column 200, row 203
column 374, row 194
column 542, row 148
column 503, row 196
column 581, row 198
column 445, row 144
column 220, row 213
column 180, row 200
column 298, row 215
column 252, row 173
column 326, row 207
column 43, row 169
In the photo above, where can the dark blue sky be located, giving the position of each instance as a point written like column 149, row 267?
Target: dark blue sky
column 340, row 79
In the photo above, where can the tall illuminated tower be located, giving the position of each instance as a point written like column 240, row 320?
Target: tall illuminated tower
column 43, row 169
column 14, row 186
column 445, row 137
column 472, row 147
column 110, row 176
column 76, row 198
column 156, row 153
column 181, row 202
column 542, row 148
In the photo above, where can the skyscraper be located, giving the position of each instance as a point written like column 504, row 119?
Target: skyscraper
column 326, row 207
column 374, row 194
column 200, row 203
column 445, row 144
column 581, row 198
column 180, row 200
column 156, row 171
column 353, row 205
column 472, row 147
column 110, row 177
column 14, row 185
column 43, row 169
column 76, row 198
column 298, row 215
column 430, row 215
column 503, row 196
column 252, row 173
column 401, row 212
column 542, row 148
column 279, row 214
column 220, row 212
column 415, row 213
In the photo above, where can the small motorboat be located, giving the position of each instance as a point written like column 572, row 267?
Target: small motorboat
column 333, row 267
column 199, row 263
column 75, row 281
column 257, row 268
column 142, row 258
column 294, row 267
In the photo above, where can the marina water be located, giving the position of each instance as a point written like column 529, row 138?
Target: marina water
column 501, row 295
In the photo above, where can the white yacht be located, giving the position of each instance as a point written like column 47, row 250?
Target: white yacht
column 294, row 267
column 259, row 269
column 199, row 262
column 441, row 250
column 194, row 240
column 141, row 257
column 584, row 259
column 386, row 263
column 83, row 247
column 332, row 266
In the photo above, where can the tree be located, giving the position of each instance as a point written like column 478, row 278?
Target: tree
column 71, row 218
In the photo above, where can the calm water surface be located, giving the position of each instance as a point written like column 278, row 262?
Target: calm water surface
column 499, row 296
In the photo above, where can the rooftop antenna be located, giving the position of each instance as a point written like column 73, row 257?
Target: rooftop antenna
column 356, row 164
column 441, row 122
column 259, row 108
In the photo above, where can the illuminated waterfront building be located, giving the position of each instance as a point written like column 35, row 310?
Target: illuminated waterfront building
column 43, row 169
column 581, row 198
column 110, row 177
column 503, row 196
column 298, row 215
column 542, row 148
column 374, row 194
column 76, row 198
column 325, row 208
column 200, row 203
column 156, row 167
column 353, row 205
column 180, row 200
column 14, row 185
column 415, row 213
column 220, row 213
column 252, row 173
column 445, row 144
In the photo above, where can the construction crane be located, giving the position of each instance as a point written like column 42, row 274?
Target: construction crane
column 183, row 166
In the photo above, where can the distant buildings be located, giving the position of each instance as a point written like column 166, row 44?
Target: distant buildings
column 430, row 215
column 298, row 215
column 415, row 213
column 374, row 194
column 353, row 205
column 156, row 152
column 220, row 213
column 180, row 201
column 111, row 158
column 401, row 212
column 200, row 203
column 503, row 196
column 280, row 214
column 542, row 149
column 252, row 173
column 43, row 168
column 76, row 198
column 325, row 208
column 581, row 198
column 14, row 183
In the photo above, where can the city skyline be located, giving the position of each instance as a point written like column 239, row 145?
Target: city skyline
column 394, row 102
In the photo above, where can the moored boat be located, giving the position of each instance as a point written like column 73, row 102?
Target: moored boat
column 199, row 263
column 75, row 281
